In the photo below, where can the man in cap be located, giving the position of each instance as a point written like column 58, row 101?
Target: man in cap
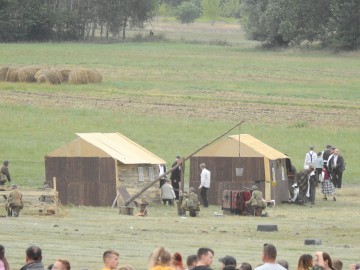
column 256, row 203
column 14, row 202
column 176, row 177
column 227, row 261
column 205, row 178
column 4, row 173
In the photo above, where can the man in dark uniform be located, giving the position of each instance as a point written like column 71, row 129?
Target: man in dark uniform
column 176, row 177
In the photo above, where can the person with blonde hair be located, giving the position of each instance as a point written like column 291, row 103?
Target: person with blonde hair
column 160, row 259
column 61, row 264
column 305, row 262
column 110, row 259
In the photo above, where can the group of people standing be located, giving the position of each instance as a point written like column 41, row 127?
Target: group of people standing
column 324, row 167
column 330, row 160
column 170, row 188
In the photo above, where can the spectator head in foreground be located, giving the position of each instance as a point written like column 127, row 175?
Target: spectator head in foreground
column 111, row 259
column 205, row 256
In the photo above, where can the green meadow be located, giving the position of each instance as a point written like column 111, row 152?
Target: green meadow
column 173, row 97
column 290, row 99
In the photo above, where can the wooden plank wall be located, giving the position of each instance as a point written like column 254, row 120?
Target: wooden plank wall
column 223, row 174
column 82, row 181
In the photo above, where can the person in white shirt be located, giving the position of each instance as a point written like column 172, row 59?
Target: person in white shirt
column 310, row 157
column 204, row 184
column 269, row 258
column 162, row 170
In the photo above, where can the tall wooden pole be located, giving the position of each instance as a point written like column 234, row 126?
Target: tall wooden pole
column 130, row 200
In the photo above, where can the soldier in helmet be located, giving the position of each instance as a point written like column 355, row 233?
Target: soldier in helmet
column 14, row 203
column 256, row 203
column 4, row 173
column 190, row 203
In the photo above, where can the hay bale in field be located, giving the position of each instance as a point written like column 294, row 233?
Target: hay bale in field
column 51, row 76
column 40, row 76
column 65, row 74
column 3, row 72
column 78, row 76
column 84, row 76
column 12, row 75
column 27, row 74
column 94, row 76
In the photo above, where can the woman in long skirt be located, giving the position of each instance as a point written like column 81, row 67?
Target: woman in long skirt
column 327, row 187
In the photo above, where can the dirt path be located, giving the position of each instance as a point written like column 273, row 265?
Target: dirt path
column 229, row 106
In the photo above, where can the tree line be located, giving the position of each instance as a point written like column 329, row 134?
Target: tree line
column 330, row 23
column 62, row 20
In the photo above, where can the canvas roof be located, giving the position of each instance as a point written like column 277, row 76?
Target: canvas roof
column 249, row 147
column 113, row 145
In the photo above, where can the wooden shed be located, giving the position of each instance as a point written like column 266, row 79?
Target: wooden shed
column 240, row 161
column 89, row 169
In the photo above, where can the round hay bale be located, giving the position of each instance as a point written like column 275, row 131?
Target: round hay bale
column 3, row 72
column 65, row 74
column 94, row 76
column 40, row 76
column 78, row 76
column 51, row 76
column 12, row 75
column 27, row 74
column 54, row 76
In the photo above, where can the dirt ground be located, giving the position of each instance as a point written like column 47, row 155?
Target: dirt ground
column 82, row 234
column 221, row 105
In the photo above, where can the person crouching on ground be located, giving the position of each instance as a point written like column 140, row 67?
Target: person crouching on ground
column 256, row 203
column 167, row 193
column 190, row 203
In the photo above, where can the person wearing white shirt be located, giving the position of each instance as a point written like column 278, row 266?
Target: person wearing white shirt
column 310, row 157
column 162, row 170
column 269, row 258
column 204, row 184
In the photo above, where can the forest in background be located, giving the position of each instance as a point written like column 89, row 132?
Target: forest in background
column 331, row 24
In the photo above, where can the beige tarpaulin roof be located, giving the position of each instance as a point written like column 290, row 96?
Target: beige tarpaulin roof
column 248, row 147
column 113, row 145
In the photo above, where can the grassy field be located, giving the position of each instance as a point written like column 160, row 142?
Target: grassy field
column 289, row 99
column 172, row 98
column 82, row 234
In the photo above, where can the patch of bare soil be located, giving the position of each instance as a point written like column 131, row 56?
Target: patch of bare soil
column 230, row 106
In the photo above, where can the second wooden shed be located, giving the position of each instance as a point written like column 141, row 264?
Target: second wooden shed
column 241, row 161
